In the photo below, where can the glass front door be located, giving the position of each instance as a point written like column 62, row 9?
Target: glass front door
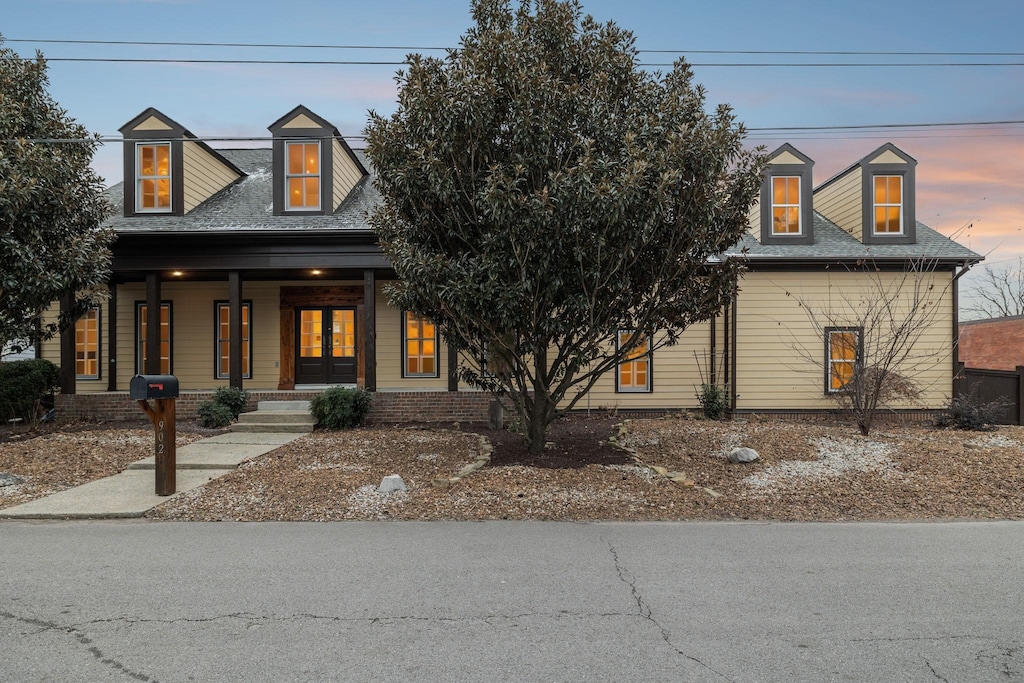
column 325, row 341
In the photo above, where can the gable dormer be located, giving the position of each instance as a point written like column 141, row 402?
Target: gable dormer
column 784, row 212
column 167, row 171
column 314, row 168
column 874, row 199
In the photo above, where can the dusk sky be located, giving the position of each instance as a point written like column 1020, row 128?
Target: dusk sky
column 966, row 175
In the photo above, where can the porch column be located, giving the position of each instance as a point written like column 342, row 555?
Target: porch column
column 235, row 325
column 153, row 315
column 67, row 347
column 111, row 323
column 370, row 330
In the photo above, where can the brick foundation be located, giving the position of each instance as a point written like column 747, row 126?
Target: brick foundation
column 388, row 406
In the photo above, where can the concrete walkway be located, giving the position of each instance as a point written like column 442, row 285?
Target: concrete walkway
column 131, row 493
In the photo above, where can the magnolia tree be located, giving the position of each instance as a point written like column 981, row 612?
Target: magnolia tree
column 541, row 192
column 51, row 206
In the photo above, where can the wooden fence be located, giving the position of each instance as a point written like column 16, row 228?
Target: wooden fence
column 993, row 385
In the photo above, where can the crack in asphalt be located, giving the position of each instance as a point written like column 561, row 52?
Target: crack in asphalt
column 934, row 672
column 1000, row 657
column 82, row 639
column 644, row 611
column 900, row 639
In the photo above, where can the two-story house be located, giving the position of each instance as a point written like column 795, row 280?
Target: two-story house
column 257, row 268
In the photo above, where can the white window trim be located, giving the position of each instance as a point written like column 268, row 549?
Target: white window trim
column 646, row 357
column 875, row 205
column 246, row 341
column 799, row 213
column 319, row 176
column 139, row 178
column 830, row 360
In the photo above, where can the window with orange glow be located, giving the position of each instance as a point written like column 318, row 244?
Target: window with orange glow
column 343, row 333
column 888, row 205
column 311, row 331
column 843, row 355
column 153, row 177
column 302, row 176
column 420, row 346
column 142, row 318
column 786, row 205
column 634, row 372
column 87, row 345
column 224, row 341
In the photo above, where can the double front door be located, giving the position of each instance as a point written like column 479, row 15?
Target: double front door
column 325, row 344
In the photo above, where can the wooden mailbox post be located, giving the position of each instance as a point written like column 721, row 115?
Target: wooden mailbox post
column 163, row 389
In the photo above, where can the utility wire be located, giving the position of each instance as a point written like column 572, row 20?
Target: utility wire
column 435, row 48
column 335, row 62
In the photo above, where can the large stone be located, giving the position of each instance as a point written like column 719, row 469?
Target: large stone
column 743, row 454
column 10, row 480
column 391, row 483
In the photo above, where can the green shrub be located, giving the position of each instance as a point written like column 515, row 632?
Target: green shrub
column 213, row 415
column 713, row 401
column 233, row 398
column 971, row 413
column 23, row 384
column 341, row 407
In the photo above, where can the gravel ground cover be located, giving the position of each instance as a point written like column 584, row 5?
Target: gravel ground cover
column 59, row 457
column 806, row 471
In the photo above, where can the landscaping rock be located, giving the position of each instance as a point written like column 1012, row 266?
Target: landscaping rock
column 391, row 483
column 10, row 480
column 742, row 455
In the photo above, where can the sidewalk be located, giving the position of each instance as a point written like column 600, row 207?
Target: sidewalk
column 130, row 493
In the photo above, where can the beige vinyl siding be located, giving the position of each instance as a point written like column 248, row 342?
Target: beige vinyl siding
column 840, row 202
column 50, row 349
column 204, row 175
column 193, row 333
column 152, row 123
column 674, row 376
column 301, row 121
column 787, row 158
column 754, row 220
column 389, row 352
column 889, row 157
column 346, row 173
column 781, row 354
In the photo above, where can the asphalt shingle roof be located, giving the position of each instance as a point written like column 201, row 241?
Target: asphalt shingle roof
column 248, row 205
column 831, row 241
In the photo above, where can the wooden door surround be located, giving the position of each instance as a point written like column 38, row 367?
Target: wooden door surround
column 338, row 296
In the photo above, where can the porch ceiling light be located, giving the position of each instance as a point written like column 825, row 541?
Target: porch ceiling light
column 316, row 271
column 177, row 273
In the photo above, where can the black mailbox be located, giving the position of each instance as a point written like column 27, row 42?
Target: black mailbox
column 144, row 387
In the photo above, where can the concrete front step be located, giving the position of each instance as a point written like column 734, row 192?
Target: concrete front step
column 272, row 427
column 275, row 416
column 288, row 406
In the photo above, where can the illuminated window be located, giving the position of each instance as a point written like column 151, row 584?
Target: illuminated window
column 224, row 341
column 634, row 372
column 153, row 177
column 786, row 205
column 87, row 345
column 141, row 319
column 302, row 176
column 888, row 205
column 420, row 352
column 844, row 350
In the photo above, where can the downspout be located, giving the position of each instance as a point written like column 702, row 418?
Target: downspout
column 732, row 350
column 956, row 324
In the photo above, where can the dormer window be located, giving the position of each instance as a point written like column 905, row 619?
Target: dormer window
column 785, row 211
column 786, row 205
column 888, row 205
column 302, row 176
column 153, row 177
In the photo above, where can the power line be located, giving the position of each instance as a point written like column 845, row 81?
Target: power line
column 336, row 62
column 436, row 48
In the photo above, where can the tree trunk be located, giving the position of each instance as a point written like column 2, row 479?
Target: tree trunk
column 537, row 428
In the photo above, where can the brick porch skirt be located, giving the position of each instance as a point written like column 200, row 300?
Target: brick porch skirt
column 388, row 406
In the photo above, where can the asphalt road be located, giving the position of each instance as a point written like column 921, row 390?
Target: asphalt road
column 142, row 601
